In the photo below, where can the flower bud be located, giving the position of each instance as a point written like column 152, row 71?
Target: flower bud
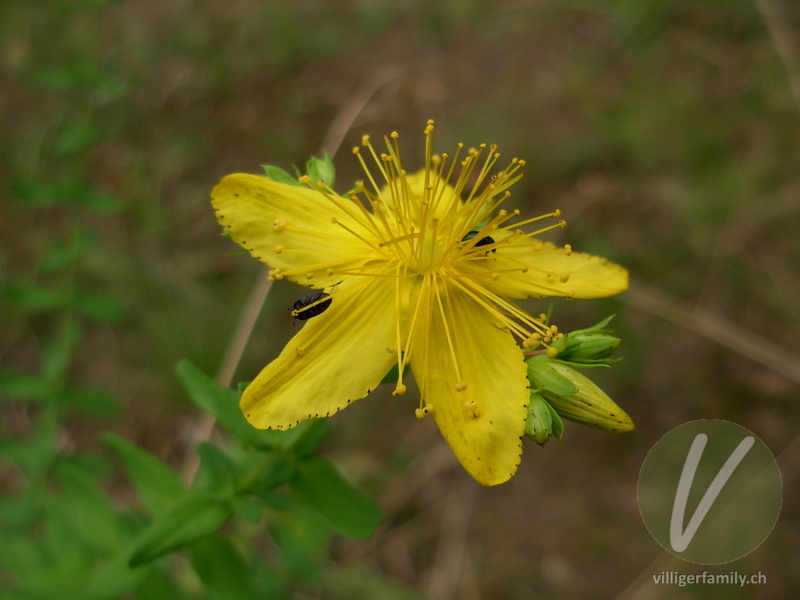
column 588, row 404
column 586, row 346
column 543, row 422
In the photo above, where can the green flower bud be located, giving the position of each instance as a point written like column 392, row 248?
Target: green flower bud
column 321, row 169
column 586, row 346
column 588, row 404
column 543, row 422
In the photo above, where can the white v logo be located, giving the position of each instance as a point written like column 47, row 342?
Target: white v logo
column 680, row 539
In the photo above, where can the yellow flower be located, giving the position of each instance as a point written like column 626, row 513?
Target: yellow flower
column 420, row 269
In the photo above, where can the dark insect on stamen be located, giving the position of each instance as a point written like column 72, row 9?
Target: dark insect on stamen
column 312, row 305
column 484, row 241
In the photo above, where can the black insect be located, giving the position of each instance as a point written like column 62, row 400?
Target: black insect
column 484, row 241
column 312, row 305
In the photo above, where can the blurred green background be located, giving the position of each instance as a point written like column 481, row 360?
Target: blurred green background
column 666, row 132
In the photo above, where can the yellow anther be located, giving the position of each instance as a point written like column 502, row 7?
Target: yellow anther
column 279, row 225
column 279, row 248
column 568, row 249
column 304, row 179
column 394, row 135
column 400, row 389
column 557, row 212
column 564, row 278
column 356, row 149
column 552, row 352
column 333, row 220
column 562, row 223
column 299, row 351
column 461, row 386
column 494, row 276
column 390, row 350
column 553, row 329
column 310, row 276
column 365, row 140
column 329, row 271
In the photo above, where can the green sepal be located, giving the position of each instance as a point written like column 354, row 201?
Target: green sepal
column 544, row 377
column 589, row 347
column 543, row 421
column 281, row 176
column 321, row 169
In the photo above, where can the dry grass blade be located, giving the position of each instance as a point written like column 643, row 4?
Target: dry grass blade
column 715, row 328
column 258, row 294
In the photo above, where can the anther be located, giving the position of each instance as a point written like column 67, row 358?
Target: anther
column 400, row 389
column 568, row 249
column 562, row 223
column 310, row 276
column 279, row 248
column 557, row 212
column 552, row 352
column 461, row 386
column 299, row 351
column 279, row 225
column 564, row 278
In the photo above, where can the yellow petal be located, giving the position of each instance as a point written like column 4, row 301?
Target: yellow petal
column 532, row 269
column 483, row 422
column 290, row 227
column 335, row 359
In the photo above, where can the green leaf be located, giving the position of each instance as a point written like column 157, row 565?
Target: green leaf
column 281, row 176
column 37, row 298
column 17, row 385
column 223, row 404
column 114, row 579
column 319, row 487
column 93, row 514
column 306, row 437
column 156, row 484
column 216, row 468
column 100, row 307
column 94, row 402
column 249, row 510
column 222, row 569
column 159, row 585
column 193, row 517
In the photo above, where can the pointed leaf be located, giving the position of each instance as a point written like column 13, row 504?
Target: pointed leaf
column 193, row 517
column 156, row 484
column 223, row 404
column 319, row 487
column 222, row 569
